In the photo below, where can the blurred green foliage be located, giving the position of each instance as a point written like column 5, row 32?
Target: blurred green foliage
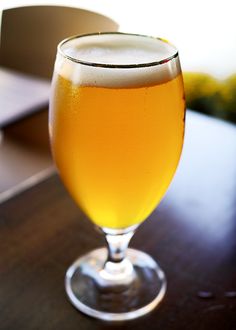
column 211, row 96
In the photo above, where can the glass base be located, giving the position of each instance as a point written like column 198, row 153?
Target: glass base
column 115, row 298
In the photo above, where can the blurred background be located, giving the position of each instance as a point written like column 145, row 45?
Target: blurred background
column 203, row 31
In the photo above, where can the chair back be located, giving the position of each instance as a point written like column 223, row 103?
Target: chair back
column 29, row 35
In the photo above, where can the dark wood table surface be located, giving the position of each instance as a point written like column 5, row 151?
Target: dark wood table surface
column 192, row 234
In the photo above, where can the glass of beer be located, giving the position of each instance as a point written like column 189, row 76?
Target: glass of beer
column 116, row 127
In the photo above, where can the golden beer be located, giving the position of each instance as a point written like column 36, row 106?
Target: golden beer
column 117, row 147
column 116, row 128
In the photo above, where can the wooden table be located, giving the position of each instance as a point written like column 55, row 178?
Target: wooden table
column 192, row 234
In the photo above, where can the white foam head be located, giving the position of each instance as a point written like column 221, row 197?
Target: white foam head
column 116, row 60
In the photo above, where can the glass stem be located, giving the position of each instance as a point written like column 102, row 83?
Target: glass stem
column 117, row 267
column 117, row 245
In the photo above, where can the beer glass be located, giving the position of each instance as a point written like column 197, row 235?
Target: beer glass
column 116, row 127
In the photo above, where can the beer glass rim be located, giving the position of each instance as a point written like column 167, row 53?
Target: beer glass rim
column 111, row 65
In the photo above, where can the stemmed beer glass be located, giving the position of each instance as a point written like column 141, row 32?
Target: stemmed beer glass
column 116, row 127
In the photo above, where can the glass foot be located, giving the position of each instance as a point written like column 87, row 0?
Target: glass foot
column 115, row 298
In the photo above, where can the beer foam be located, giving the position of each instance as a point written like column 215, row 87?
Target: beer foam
column 117, row 60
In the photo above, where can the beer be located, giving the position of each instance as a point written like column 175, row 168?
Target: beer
column 117, row 129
